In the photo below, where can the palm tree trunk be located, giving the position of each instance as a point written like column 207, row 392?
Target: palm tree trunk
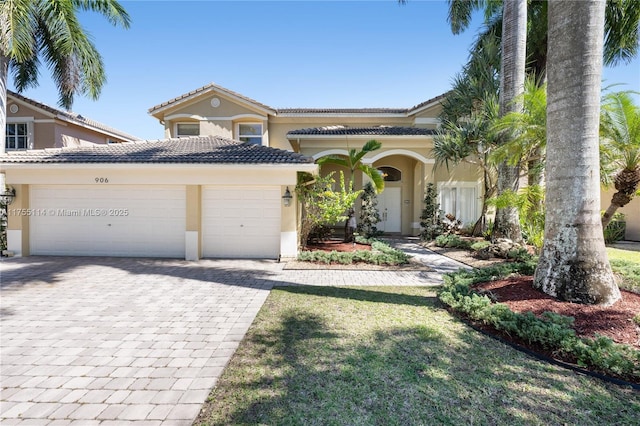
column 619, row 200
column 573, row 264
column 512, row 76
column 4, row 69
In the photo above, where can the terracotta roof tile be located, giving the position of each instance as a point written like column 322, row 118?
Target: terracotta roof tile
column 194, row 150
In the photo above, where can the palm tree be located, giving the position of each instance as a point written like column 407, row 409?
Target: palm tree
column 469, row 140
column 620, row 149
column 353, row 162
column 621, row 35
column 512, row 76
column 573, row 264
column 34, row 29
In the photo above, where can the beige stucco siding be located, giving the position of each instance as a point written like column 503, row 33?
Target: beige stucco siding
column 191, row 174
column 25, row 110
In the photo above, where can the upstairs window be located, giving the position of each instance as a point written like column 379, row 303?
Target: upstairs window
column 187, row 129
column 17, row 136
column 250, row 132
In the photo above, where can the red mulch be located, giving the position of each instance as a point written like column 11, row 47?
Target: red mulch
column 337, row 245
column 613, row 321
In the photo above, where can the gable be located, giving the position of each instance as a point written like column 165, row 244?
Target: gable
column 214, row 106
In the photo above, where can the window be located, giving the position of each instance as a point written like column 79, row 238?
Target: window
column 460, row 200
column 187, row 129
column 250, row 132
column 17, row 136
column 390, row 174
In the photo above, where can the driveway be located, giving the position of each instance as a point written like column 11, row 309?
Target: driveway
column 116, row 341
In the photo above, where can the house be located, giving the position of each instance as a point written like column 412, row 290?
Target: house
column 221, row 182
column 405, row 158
column 33, row 125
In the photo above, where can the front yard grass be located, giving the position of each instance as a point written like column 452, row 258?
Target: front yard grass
column 626, row 264
column 394, row 356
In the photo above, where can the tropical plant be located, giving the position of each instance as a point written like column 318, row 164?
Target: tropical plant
column 468, row 140
column 321, row 205
column 431, row 217
column 512, row 76
column 35, row 29
column 622, row 19
column 529, row 141
column 353, row 162
column 573, row 264
column 369, row 215
column 620, row 149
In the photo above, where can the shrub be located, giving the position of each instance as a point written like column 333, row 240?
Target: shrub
column 369, row 215
column 551, row 331
column 479, row 245
column 615, row 230
column 452, row 240
column 380, row 254
column 431, row 217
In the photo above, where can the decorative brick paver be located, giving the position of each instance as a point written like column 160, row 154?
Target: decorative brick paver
column 138, row 341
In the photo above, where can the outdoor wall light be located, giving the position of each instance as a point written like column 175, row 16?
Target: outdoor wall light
column 287, row 197
column 7, row 196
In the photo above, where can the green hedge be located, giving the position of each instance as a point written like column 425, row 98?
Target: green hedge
column 380, row 254
column 551, row 331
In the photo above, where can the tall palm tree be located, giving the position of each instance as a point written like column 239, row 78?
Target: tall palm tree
column 573, row 264
column 31, row 30
column 512, row 76
column 353, row 162
column 622, row 30
column 620, row 149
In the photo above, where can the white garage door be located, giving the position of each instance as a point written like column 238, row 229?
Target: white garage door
column 109, row 220
column 241, row 222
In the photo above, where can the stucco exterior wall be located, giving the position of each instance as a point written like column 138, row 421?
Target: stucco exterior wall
column 631, row 212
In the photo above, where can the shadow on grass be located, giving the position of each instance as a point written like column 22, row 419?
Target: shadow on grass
column 364, row 295
column 299, row 365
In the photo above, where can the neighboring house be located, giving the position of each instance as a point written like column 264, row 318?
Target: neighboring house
column 33, row 125
column 181, row 198
column 405, row 158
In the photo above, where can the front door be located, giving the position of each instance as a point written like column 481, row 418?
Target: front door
column 389, row 207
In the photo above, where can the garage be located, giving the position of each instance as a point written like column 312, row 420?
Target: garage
column 242, row 222
column 121, row 220
column 184, row 198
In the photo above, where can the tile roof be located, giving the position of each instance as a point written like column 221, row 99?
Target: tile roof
column 366, row 131
column 73, row 117
column 194, row 150
column 427, row 102
column 276, row 111
column 203, row 89
column 341, row 110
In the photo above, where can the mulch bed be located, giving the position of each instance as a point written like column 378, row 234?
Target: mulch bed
column 613, row 321
column 337, row 245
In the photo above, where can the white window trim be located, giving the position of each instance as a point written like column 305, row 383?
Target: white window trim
column 175, row 128
column 236, row 128
column 29, row 122
column 463, row 184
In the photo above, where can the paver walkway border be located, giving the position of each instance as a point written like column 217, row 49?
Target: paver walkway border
column 118, row 341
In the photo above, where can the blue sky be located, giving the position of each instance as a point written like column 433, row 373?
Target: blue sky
column 283, row 54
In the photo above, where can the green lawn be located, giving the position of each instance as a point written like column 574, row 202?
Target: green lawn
column 394, row 356
column 626, row 263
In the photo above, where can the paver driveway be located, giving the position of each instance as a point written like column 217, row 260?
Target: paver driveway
column 116, row 341
column 110, row 341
